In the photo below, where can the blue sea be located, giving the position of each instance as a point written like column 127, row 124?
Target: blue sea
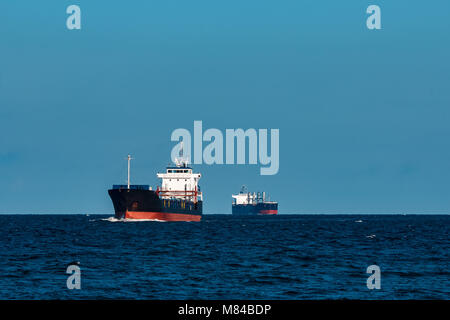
column 226, row 257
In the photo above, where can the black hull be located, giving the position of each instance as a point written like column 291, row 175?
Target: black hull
column 257, row 209
column 131, row 203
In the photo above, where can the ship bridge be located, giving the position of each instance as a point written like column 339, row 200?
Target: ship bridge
column 247, row 198
column 180, row 182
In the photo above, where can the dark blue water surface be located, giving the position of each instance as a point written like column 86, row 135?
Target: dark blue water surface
column 226, row 257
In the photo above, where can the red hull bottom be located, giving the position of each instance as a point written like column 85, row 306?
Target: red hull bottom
column 163, row 216
column 268, row 212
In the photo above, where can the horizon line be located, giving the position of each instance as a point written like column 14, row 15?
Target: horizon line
column 230, row 214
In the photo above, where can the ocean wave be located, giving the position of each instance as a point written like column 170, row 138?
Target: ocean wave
column 111, row 219
column 305, row 257
column 143, row 220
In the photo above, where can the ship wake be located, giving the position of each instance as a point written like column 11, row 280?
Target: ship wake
column 113, row 219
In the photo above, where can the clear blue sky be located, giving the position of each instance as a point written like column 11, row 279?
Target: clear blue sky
column 363, row 115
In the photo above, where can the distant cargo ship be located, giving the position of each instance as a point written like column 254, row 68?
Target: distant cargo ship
column 178, row 199
column 247, row 203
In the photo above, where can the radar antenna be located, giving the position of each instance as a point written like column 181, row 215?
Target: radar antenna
column 181, row 161
column 129, row 158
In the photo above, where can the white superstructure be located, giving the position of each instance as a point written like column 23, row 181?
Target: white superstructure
column 244, row 197
column 179, row 182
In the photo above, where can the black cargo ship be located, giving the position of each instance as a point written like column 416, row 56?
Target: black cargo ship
column 178, row 199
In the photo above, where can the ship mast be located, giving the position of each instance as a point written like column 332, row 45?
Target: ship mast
column 129, row 160
column 181, row 161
